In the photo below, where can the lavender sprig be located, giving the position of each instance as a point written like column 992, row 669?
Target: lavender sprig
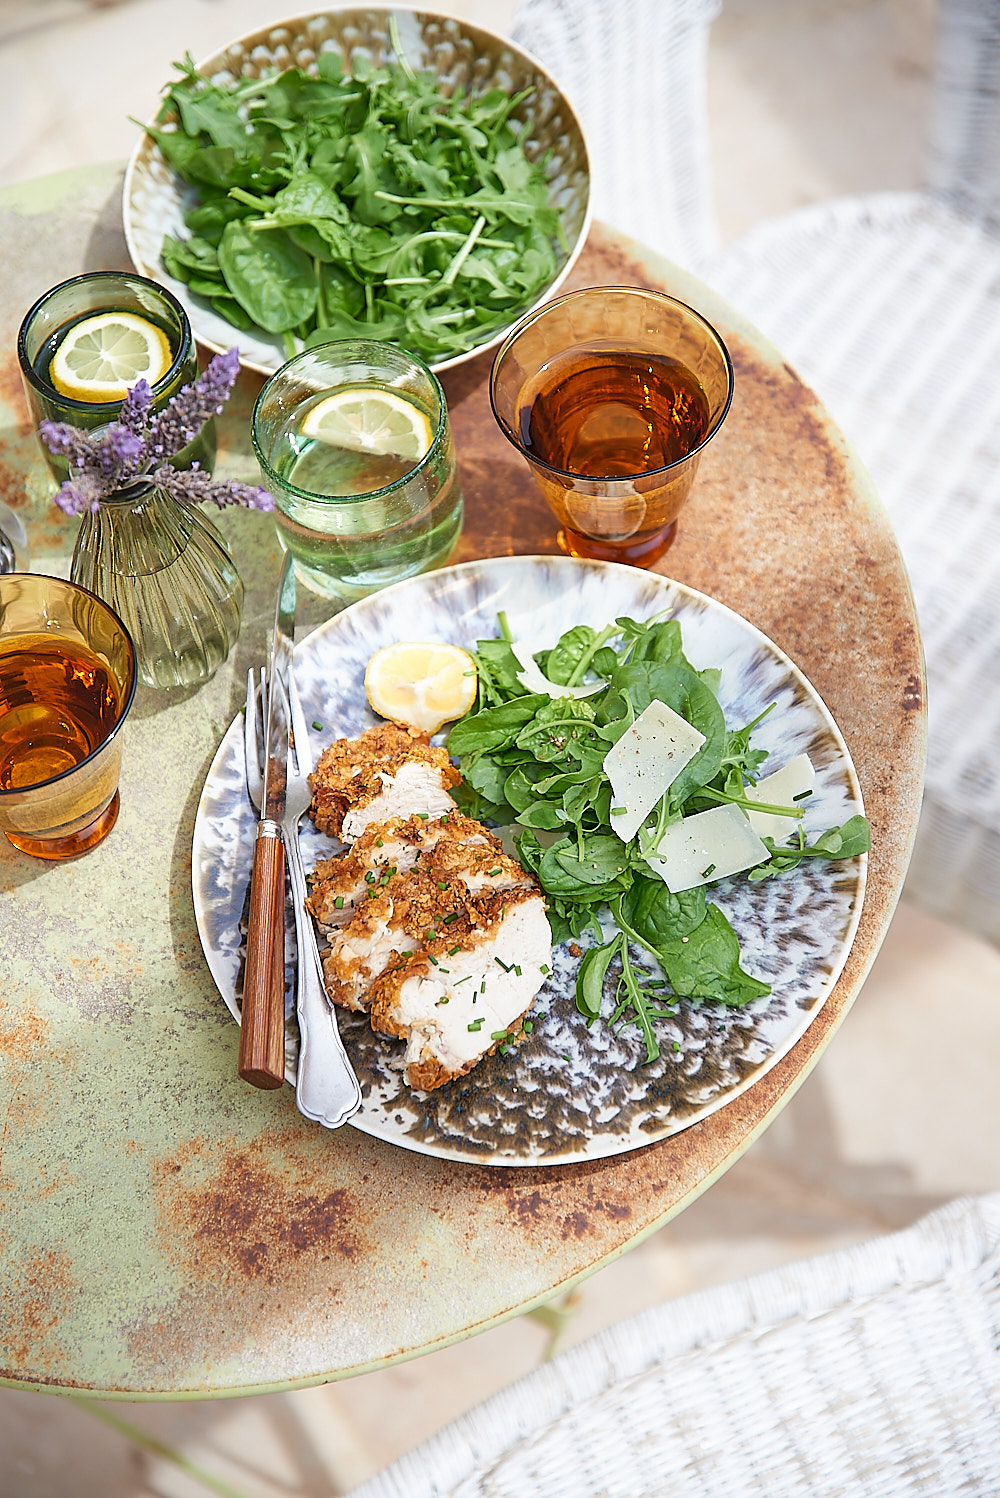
column 180, row 422
column 127, row 450
column 192, row 485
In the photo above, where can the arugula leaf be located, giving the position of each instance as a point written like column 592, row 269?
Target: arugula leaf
column 848, row 841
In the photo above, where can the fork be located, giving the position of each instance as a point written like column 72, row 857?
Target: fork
column 326, row 1089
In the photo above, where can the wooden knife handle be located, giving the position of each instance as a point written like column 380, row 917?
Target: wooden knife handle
column 262, row 1033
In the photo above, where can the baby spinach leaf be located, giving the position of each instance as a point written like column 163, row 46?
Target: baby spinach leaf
column 659, row 916
column 493, row 727
column 271, row 278
column 706, row 964
column 591, row 975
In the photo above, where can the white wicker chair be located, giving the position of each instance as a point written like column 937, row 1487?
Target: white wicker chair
column 873, row 1372
column 648, row 147
column 889, row 307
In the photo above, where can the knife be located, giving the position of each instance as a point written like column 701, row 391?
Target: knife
column 262, row 1033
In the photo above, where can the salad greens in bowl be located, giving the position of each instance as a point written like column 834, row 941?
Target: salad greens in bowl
column 375, row 173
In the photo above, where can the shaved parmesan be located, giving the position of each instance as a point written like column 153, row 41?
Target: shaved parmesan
column 533, row 679
column 645, row 762
column 708, row 846
column 781, row 789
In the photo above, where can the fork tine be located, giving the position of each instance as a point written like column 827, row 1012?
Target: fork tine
column 303, row 748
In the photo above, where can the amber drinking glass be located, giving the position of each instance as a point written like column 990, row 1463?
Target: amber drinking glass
column 67, row 679
column 612, row 394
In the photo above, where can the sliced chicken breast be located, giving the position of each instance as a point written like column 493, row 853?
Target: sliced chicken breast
column 384, row 773
column 453, row 1014
column 450, row 889
column 394, row 847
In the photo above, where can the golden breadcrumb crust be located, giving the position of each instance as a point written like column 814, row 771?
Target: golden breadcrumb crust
column 348, row 774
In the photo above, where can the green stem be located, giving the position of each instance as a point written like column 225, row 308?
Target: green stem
column 723, row 797
column 581, row 666
column 158, row 1448
column 459, row 260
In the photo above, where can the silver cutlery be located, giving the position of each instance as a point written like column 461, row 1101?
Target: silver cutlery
column 262, row 1027
column 326, row 1089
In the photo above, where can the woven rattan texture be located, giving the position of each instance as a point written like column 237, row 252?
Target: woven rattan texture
column 634, row 71
column 873, row 1371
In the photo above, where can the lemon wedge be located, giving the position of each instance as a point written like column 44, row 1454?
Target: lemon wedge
column 103, row 355
column 421, row 685
column 363, row 419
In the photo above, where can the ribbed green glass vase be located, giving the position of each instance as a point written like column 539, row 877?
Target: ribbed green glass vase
column 165, row 570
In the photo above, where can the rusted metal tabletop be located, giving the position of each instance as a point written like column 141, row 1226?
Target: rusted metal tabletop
column 167, row 1231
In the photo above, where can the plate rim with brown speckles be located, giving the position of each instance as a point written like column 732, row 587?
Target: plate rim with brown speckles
column 460, row 603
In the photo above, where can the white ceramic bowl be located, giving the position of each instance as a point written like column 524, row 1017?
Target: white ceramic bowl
column 155, row 198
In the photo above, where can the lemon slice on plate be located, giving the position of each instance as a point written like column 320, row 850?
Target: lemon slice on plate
column 103, row 355
column 367, row 420
column 421, row 684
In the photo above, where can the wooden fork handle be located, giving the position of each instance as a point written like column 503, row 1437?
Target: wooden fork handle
column 262, row 1033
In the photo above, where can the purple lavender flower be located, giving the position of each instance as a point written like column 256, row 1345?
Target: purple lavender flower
column 181, row 421
column 84, row 492
column 102, row 464
column 134, row 413
column 68, row 442
column 192, row 484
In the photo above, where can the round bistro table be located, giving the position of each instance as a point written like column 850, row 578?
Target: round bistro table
column 167, row 1231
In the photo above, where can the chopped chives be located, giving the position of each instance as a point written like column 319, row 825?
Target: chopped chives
column 477, row 1024
column 452, row 951
column 517, row 971
column 545, row 969
column 423, row 815
column 316, row 723
column 802, row 795
column 499, row 1035
column 502, row 964
column 494, row 871
column 339, row 902
column 449, row 918
column 527, row 1026
column 432, row 958
column 442, row 884
column 710, row 870
column 370, row 877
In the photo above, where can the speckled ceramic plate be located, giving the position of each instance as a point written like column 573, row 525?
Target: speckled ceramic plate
column 155, row 199
column 567, row 1093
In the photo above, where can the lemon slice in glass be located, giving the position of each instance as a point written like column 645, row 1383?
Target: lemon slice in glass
column 103, row 355
column 422, row 684
column 363, row 419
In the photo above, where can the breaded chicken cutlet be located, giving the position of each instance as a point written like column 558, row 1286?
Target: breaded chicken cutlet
column 431, row 927
column 384, row 773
